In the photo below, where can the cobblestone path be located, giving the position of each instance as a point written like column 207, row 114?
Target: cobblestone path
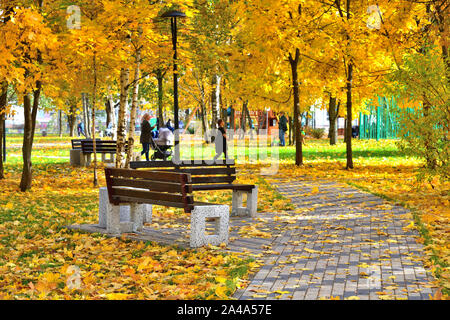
column 338, row 242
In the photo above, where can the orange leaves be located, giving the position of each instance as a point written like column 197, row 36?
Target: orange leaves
column 63, row 264
column 27, row 40
column 149, row 265
column 252, row 231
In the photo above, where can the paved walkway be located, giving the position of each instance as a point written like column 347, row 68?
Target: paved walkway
column 340, row 242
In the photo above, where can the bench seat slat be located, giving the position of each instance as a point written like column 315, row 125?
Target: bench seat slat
column 99, row 150
column 101, row 146
column 151, row 195
column 127, row 199
column 205, row 187
column 170, row 164
column 151, row 185
column 203, row 171
column 151, row 175
column 213, row 179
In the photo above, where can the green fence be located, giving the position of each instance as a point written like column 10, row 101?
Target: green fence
column 381, row 122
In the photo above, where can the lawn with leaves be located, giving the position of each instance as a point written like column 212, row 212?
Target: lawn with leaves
column 37, row 254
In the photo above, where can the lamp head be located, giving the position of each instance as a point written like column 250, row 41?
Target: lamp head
column 173, row 14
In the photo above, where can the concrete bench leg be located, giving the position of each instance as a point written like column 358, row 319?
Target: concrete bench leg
column 131, row 217
column 252, row 201
column 238, row 209
column 75, row 157
column 115, row 226
column 85, row 159
column 137, row 216
column 220, row 213
column 113, row 219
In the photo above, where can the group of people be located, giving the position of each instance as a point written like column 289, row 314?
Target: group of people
column 164, row 137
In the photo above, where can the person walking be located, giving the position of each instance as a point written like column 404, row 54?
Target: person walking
column 221, row 144
column 145, row 138
column 80, row 128
column 282, row 127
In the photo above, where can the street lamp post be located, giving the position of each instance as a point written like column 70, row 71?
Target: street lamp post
column 4, row 139
column 173, row 15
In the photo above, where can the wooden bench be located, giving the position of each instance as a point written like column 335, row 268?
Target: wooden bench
column 170, row 189
column 208, row 175
column 76, row 155
column 103, row 147
column 76, row 143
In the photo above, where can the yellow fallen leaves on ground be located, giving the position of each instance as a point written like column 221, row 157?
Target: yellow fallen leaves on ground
column 251, row 231
column 40, row 259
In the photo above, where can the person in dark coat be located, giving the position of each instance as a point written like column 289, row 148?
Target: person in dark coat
column 282, row 126
column 221, row 141
column 146, row 131
column 80, row 128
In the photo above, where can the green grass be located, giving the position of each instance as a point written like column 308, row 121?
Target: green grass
column 321, row 149
column 57, row 150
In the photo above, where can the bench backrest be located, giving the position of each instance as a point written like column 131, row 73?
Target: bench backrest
column 202, row 172
column 101, row 146
column 169, row 189
column 76, row 143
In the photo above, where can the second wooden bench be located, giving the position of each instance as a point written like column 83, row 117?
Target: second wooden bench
column 208, row 175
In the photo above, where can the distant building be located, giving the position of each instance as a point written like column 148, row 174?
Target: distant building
column 321, row 120
column 15, row 123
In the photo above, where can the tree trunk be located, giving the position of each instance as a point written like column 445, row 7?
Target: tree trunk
column 86, row 120
column 243, row 126
column 348, row 129
column 30, row 113
column 431, row 152
column 333, row 112
column 160, row 78
column 203, row 118
column 83, row 104
column 349, row 104
column 121, row 127
column 3, row 102
column 71, row 120
column 134, row 103
column 108, row 111
column 203, row 112
column 218, row 95
column 111, row 114
column 60, row 129
column 298, row 137
column 94, row 102
column 249, row 119
column 214, row 102
column 232, row 119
